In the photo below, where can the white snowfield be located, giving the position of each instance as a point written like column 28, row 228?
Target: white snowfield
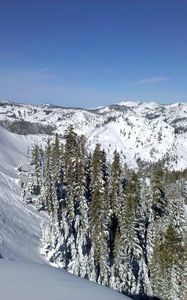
column 146, row 131
column 24, row 272
column 21, row 281
column 19, row 224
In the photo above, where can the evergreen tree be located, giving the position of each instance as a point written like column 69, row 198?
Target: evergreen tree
column 159, row 205
column 48, row 188
column 70, row 152
column 125, row 232
column 116, row 185
column 99, row 213
column 37, row 165
column 167, row 271
column 81, row 211
column 132, row 252
column 116, row 255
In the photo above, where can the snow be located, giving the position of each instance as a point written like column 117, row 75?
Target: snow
column 24, row 272
column 139, row 130
column 24, row 281
column 20, row 224
column 129, row 103
column 185, row 209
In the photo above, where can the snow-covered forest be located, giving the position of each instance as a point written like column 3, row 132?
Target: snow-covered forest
column 24, row 272
column 107, row 223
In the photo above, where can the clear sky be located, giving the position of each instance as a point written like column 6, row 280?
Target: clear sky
column 93, row 52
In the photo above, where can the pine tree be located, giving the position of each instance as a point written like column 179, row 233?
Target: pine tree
column 130, row 243
column 36, row 160
column 81, row 212
column 48, row 188
column 98, row 212
column 105, row 221
column 168, row 259
column 124, row 232
column 115, row 232
column 56, row 158
column 70, row 170
column 116, row 185
column 159, row 205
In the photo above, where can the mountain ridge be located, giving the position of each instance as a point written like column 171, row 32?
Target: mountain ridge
column 140, row 131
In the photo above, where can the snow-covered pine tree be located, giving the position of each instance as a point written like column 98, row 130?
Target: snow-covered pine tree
column 116, row 195
column 33, row 185
column 48, row 188
column 99, row 214
column 79, row 264
column 57, row 176
column 177, row 219
column 159, row 201
column 65, row 186
column 167, row 263
column 121, row 232
column 169, row 251
column 131, row 251
column 70, row 153
column 37, row 165
column 116, row 184
column 144, row 234
column 106, row 216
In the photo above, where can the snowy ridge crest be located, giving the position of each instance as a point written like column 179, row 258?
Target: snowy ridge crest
column 140, row 131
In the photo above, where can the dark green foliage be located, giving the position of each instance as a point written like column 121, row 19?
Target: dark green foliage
column 109, row 119
column 159, row 204
column 168, row 265
column 24, row 127
column 116, row 184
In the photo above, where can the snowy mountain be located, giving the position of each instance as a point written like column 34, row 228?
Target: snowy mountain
column 24, row 272
column 139, row 131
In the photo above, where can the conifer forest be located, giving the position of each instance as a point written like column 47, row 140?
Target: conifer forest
column 121, row 228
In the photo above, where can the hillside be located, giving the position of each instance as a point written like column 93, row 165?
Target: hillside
column 20, row 225
column 40, row 282
column 139, row 131
column 24, row 272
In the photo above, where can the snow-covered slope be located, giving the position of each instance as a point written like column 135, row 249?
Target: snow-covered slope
column 140, row 131
column 146, row 131
column 24, row 272
column 19, row 224
column 22, row 281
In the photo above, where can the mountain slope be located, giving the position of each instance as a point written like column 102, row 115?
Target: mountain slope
column 139, row 131
column 20, row 225
column 24, row 272
column 33, row 281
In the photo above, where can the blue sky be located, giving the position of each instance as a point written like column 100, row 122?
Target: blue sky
column 93, row 52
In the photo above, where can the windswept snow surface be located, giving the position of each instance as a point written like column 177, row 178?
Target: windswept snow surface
column 20, row 229
column 23, row 281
